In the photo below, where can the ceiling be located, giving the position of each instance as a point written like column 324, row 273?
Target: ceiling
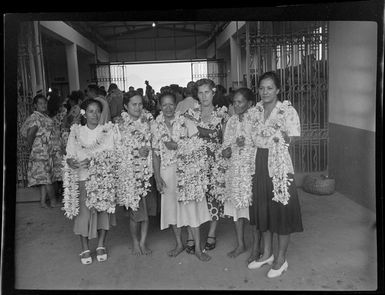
column 116, row 36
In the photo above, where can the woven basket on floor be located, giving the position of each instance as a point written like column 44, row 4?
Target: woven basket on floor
column 319, row 185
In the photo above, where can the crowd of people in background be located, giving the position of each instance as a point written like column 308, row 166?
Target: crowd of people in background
column 208, row 153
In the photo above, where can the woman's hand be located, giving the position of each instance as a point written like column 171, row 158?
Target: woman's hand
column 144, row 151
column 226, row 153
column 73, row 163
column 240, row 141
column 85, row 164
column 171, row 145
column 160, row 184
column 286, row 137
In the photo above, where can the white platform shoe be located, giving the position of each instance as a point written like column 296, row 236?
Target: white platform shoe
column 257, row 264
column 274, row 273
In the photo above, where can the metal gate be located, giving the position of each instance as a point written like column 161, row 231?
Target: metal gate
column 211, row 69
column 300, row 58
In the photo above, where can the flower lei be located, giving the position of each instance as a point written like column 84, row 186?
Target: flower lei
column 100, row 184
column 241, row 165
column 192, row 166
column 281, row 181
column 134, row 172
column 278, row 149
column 217, row 163
column 163, row 134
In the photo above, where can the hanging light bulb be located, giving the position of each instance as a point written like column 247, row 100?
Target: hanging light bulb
column 153, row 24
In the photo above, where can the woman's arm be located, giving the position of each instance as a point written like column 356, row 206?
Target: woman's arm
column 31, row 135
column 156, row 161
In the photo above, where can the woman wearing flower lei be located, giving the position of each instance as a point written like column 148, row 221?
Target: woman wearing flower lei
column 239, row 148
column 135, row 168
column 170, row 133
column 210, row 122
column 275, row 208
column 89, row 180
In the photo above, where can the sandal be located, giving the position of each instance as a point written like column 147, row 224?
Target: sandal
column 190, row 249
column 210, row 246
column 85, row 260
column 101, row 257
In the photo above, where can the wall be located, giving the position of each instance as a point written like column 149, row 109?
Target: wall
column 352, row 95
column 84, row 61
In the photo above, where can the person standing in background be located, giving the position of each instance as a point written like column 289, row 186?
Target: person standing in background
column 115, row 100
column 94, row 93
column 189, row 102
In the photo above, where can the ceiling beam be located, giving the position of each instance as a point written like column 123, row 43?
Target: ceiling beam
column 124, row 34
column 90, row 33
column 199, row 32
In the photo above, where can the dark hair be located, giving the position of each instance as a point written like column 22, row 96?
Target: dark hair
column 128, row 95
column 167, row 93
column 54, row 103
column 221, row 89
column 112, row 86
column 270, row 75
column 93, row 88
column 89, row 101
column 246, row 93
column 205, row 81
column 101, row 91
column 75, row 96
column 140, row 90
column 37, row 97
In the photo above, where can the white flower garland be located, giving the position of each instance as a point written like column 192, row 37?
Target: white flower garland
column 192, row 166
column 162, row 134
column 71, row 190
column 134, row 172
column 101, row 181
column 241, row 166
column 281, row 181
column 278, row 149
column 101, row 185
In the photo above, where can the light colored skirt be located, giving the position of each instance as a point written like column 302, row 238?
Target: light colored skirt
column 193, row 213
column 169, row 202
column 230, row 210
column 87, row 223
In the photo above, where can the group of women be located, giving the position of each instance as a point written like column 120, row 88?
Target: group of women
column 206, row 165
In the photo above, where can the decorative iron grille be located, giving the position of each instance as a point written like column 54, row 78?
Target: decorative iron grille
column 300, row 59
column 25, row 93
column 211, row 69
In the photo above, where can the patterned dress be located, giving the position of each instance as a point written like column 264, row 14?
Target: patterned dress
column 212, row 133
column 59, row 142
column 43, row 161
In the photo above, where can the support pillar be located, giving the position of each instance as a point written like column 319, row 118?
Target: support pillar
column 235, row 54
column 72, row 67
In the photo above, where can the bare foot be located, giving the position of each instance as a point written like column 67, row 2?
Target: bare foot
column 136, row 250
column 237, row 251
column 175, row 252
column 254, row 256
column 202, row 256
column 145, row 250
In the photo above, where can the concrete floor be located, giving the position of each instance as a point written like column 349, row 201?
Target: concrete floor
column 336, row 251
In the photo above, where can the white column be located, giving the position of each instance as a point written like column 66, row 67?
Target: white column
column 72, row 67
column 235, row 54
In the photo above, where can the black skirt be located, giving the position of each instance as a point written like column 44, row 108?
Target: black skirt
column 269, row 215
